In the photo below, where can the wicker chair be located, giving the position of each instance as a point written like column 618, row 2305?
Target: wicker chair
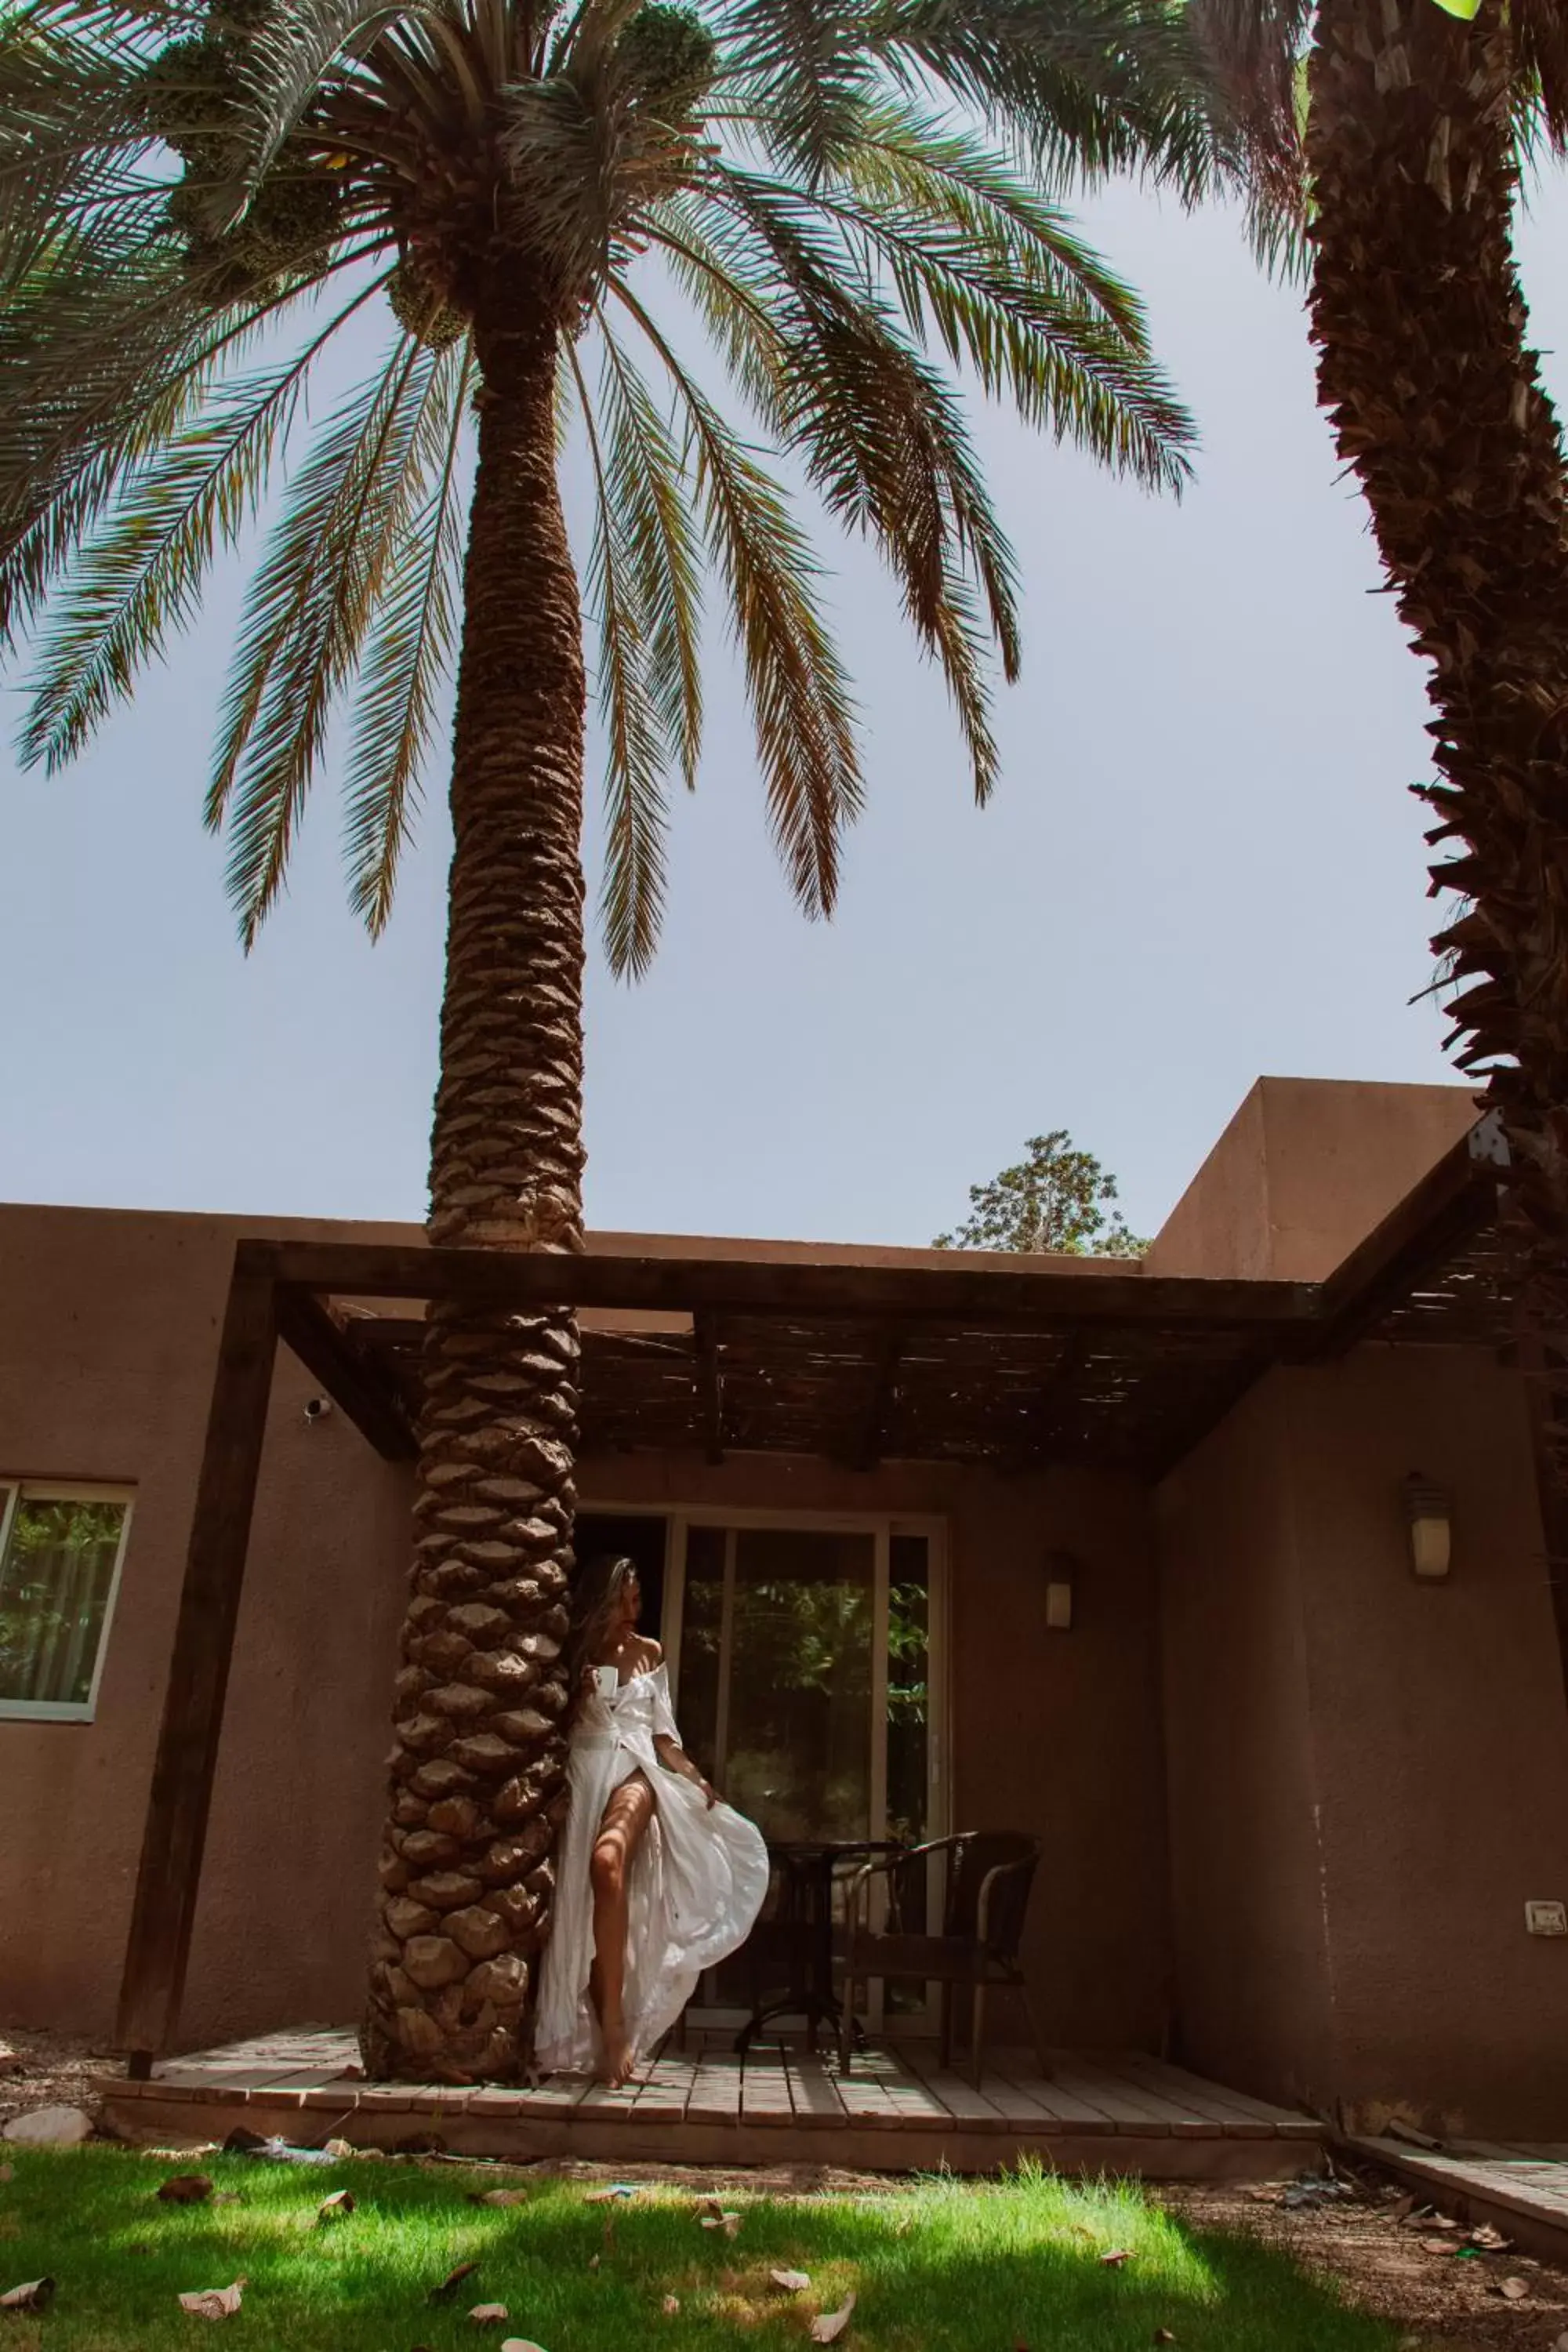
column 987, row 1877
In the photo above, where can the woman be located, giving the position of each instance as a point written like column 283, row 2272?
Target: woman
column 656, row 1880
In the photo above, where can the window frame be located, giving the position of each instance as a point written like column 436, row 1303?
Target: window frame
column 15, row 1490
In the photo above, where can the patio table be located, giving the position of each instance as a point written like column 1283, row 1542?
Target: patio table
column 803, row 1924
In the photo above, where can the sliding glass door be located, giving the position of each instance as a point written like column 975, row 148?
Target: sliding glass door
column 809, row 1665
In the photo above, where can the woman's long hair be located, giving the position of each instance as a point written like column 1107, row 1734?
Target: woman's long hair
column 596, row 1605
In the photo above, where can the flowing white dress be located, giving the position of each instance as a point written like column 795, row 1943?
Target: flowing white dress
column 697, row 1882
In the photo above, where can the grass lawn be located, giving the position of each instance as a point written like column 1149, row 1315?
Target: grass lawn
column 944, row 2267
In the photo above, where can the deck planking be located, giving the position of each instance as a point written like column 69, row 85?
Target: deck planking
column 897, row 2110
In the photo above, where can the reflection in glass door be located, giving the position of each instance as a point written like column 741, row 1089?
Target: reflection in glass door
column 807, row 1663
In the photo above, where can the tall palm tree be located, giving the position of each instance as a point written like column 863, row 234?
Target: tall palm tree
column 583, row 209
column 1404, row 144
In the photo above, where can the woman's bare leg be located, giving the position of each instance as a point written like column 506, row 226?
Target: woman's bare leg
column 621, row 1832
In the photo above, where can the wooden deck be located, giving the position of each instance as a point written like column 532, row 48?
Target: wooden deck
column 898, row 2111
column 1521, row 2190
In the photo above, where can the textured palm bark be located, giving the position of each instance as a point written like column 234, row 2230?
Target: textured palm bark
column 1436, row 401
column 477, row 1758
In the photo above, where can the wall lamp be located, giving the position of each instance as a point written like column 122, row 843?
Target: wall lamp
column 1430, row 1533
column 1060, row 1569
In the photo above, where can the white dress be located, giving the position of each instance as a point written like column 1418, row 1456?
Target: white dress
column 696, row 1882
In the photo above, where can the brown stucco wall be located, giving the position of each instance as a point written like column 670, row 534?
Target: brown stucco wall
column 109, row 1328
column 1303, row 1172
column 1368, row 1776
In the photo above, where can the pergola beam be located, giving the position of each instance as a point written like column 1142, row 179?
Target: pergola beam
column 164, row 1909
column 994, row 1297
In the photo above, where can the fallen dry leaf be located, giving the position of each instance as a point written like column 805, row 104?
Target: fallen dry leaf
column 1491, row 2240
column 498, row 2197
column 1435, row 2246
column 1400, row 2207
column 187, row 2189
column 790, row 2282
column 610, row 2196
column 1513, row 2290
column 488, row 2315
column 7, row 2172
column 728, row 2223
column 213, row 2302
column 594, row 2261
column 831, row 2324
column 34, row 2295
column 452, row 2282
column 334, row 2209
column 1116, row 2257
column 1163, row 2335
column 520, row 2344
column 671, row 2305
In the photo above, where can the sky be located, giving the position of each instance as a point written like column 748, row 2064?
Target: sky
column 1202, row 863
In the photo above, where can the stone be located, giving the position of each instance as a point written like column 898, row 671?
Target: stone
column 520, row 1798
column 409, row 1811
column 48, row 2127
column 392, row 1873
column 441, row 1778
column 502, row 1670
column 428, row 1849
column 433, row 1961
column 482, row 1933
column 446, row 1890
column 406, row 1917
column 423, row 1731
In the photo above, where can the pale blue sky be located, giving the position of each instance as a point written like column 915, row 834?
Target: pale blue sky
column 1202, row 863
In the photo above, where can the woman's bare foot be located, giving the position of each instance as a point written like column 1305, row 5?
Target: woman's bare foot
column 616, row 2064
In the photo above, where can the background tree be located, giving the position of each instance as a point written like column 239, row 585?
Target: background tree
column 557, row 204
column 1055, row 1199
column 1417, row 117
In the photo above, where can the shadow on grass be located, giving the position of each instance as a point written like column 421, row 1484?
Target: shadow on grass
column 946, row 2267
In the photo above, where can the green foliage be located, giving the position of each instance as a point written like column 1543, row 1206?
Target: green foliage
column 849, row 196
column 947, row 2266
column 1057, row 1200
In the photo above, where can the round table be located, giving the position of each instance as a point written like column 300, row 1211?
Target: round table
column 802, row 1928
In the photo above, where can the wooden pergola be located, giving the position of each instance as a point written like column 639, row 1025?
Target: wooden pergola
column 1016, row 1367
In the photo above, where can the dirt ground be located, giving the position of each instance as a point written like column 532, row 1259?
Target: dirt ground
column 1383, row 2250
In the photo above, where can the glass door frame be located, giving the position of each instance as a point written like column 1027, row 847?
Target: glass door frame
column 882, row 1525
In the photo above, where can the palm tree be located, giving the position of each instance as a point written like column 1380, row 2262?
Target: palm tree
column 1406, row 138
column 575, row 209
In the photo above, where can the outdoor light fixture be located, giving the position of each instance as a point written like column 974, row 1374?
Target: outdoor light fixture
column 1060, row 1566
column 1426, row 1517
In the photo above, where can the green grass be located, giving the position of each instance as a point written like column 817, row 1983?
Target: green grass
column 941, row 2267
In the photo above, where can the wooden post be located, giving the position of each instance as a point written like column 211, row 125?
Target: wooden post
column 177, row 1825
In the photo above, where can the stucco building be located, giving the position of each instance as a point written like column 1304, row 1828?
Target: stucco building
column 1123, row 1557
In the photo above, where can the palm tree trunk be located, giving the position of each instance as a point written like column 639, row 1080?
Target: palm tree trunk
column 476, row 1756
column 1436, row 402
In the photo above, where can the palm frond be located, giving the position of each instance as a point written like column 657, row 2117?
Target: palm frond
column 309, row 611
column 141, row 579
column 411, row 654
column 801, row 704
column 632, row 898
column 803, row 66
column 649, row 481
column 1093, row 87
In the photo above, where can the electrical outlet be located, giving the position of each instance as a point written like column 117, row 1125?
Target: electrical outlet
column 1546, row 1918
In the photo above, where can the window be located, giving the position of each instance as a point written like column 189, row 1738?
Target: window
column 60, row 1549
